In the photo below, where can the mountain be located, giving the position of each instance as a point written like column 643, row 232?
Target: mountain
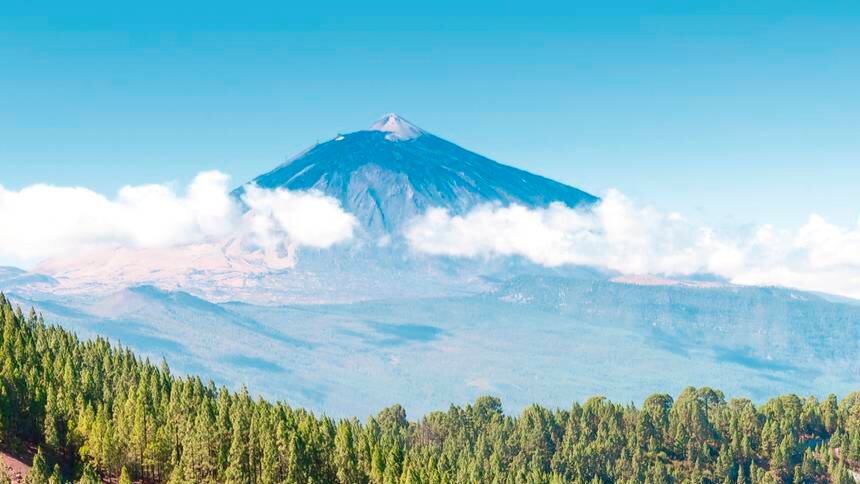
column 361, row 325
column 394, row 170
column 14, row 278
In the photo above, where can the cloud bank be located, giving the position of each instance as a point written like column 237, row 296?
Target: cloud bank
column 630, row 239
column 43, row 221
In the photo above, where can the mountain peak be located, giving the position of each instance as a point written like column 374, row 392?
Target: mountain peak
column 394, row 171
column 398, row 129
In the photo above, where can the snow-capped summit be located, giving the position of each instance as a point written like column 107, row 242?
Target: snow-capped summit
column 398, row 129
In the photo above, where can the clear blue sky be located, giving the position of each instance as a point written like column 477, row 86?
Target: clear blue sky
column 744, row 111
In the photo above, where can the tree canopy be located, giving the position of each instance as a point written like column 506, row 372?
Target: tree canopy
column 96, row 409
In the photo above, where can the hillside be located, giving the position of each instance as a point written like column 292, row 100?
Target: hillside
column 597, row 337
column 99, row 409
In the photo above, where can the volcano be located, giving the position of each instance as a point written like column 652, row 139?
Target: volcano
column 393, row 171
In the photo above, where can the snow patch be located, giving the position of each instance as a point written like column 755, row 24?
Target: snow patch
column 398, row 129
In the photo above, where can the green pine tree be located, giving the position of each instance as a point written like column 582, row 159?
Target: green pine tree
column 124, row 477
column 39, row 473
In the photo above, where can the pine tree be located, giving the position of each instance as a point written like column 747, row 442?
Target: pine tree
column 141, row 427
column 89, row 476
column 56, row 475
column 124, row 477
column 39, row 473
column 808, row 466
column 270, row 470
column 377, row 465
column 393, row 463
column 51, row 424
column 295, row 460
column 742, row 478
column 346, row 457
column 238, row 469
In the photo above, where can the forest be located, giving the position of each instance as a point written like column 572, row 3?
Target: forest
column 91, row 411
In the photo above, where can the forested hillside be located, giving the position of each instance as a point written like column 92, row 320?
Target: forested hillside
column 93, row 409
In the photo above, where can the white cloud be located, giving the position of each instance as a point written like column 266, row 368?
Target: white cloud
column 614, row 234
column 44, row 221
column 829, row 245
column 304, row 218
column 624, row 237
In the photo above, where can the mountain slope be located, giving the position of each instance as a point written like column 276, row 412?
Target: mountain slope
column 394, row 170
column 534, row 338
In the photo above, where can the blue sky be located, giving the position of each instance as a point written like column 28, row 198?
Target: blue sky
column 734, row 112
